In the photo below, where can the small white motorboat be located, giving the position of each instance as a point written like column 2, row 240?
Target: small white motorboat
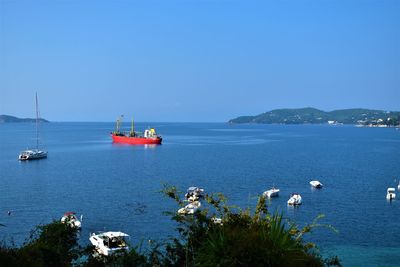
column 295, row 199
column 194, row 193
column 273, row 192
column 398, row 187
column 190, row 208
column 316, row 184
column 391, row 193
column 216, row 220
column 71, row 220
column 109, row 243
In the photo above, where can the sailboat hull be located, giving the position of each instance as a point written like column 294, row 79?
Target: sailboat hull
column 32, row 154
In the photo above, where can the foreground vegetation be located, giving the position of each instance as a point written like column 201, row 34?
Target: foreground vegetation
column 241, row 238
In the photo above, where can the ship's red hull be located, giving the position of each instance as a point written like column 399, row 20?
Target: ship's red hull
column 136, row 140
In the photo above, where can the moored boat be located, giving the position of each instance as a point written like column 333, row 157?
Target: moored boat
column 148, row 137
column 109, row 243
column 273, row 192
column 391, row 193
column 295, row 199
column 316, row 184
column 190, row 208
column 216, row 220
column 32, row 154
column 71, row 220
column 36, row 153
column 194, row 194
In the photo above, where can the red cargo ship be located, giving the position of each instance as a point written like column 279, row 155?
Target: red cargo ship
column 148, row 137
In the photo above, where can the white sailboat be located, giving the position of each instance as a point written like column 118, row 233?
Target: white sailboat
column 35, row 153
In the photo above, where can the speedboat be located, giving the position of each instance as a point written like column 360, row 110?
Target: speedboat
column 190, row 208
column 391, row 193
column 109, row 243
column 316, row 184
column 273, row 192
column 194, row 193
column 295, row 199
column 71, row 220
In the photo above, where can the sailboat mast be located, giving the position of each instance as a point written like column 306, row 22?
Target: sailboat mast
column 37, row 123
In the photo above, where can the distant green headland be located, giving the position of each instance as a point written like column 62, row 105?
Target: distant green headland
column 357, row 116
column 8, row 118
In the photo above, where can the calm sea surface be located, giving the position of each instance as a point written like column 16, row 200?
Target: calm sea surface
column 116, row 187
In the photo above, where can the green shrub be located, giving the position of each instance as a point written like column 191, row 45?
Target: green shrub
column 54, row 244
column 243, row 238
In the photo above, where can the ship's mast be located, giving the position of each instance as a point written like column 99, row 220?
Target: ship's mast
column 119, row 121
column 117, row 126
column 132, row 133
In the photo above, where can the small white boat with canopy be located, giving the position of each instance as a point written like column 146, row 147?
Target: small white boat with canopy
column 391, row 193
column 71, row 220
column 295, row 199
column 109, row 243
column 316, row 184
column 194, row 194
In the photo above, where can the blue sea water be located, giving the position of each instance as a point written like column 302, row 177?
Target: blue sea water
column 116, row 187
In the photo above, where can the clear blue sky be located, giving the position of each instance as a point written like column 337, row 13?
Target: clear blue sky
column 196, row 60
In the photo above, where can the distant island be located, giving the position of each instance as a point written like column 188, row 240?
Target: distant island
column 357, row 116
column 8, row 118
